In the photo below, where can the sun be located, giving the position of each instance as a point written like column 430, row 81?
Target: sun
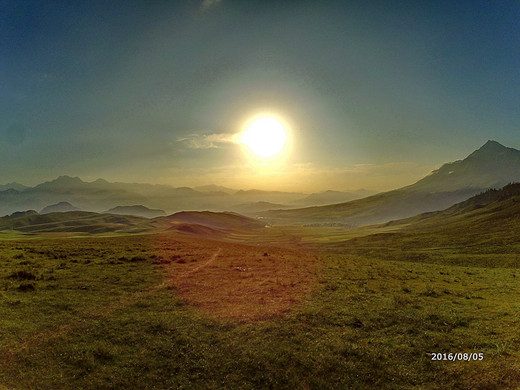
column 265, row 137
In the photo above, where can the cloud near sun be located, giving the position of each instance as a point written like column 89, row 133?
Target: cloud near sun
column 209, row 141
column 264, row 139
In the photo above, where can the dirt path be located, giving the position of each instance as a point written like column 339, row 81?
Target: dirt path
column 211, row 260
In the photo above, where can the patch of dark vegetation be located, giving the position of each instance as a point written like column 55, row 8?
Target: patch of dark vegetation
column 103, row 355
column 26, row 287
column 132, row 259
column 18, row 256
column 22, row 275
column 356, row 323
column 137, row 258
column 430, row 292
column 160, row 260
column 494, row 195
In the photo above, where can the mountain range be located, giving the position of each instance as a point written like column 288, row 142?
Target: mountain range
column 101, row 195
column 491, row 166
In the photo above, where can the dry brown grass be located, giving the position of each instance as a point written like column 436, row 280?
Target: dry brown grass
column 237, row 281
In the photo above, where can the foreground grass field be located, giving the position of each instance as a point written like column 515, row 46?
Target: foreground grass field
column 174, row 311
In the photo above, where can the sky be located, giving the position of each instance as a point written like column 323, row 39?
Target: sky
column 376, row 93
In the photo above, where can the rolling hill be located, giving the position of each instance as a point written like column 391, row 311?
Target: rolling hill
column 491, row 166
column 225, row 220
column 75, row 221
column 193, row 222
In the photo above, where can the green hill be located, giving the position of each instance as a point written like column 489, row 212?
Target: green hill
column 220, row 221
column 74, row 221
column 482, row 230
column 193, row 222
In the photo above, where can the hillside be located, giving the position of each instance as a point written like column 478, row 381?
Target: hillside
column 485, row 227
column 74, row 221
column 213, row 220
column 493, row 165
column 492, row 210
column 204, row 223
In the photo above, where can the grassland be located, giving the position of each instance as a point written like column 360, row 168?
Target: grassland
column 286, row 309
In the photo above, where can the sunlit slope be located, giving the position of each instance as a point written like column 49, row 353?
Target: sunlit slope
column 491, row 166
column 211, row 219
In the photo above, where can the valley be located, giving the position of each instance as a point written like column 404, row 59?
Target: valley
column 285, row 306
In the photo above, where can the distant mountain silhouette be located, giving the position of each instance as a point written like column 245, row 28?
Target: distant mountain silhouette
column 19, row 214
column 62, row 182
column 214, row 188
column 61, row 207
column 137, row 210
column 493, row 165
column 13, row 186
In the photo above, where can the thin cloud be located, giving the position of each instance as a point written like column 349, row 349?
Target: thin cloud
column 208, row 141
column 207, row 4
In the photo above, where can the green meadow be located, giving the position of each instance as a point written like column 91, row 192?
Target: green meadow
column 92, row 313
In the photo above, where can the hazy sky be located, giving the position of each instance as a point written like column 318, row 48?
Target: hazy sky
column 377, row 93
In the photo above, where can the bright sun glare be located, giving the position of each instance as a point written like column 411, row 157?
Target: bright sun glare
column 265, row 137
